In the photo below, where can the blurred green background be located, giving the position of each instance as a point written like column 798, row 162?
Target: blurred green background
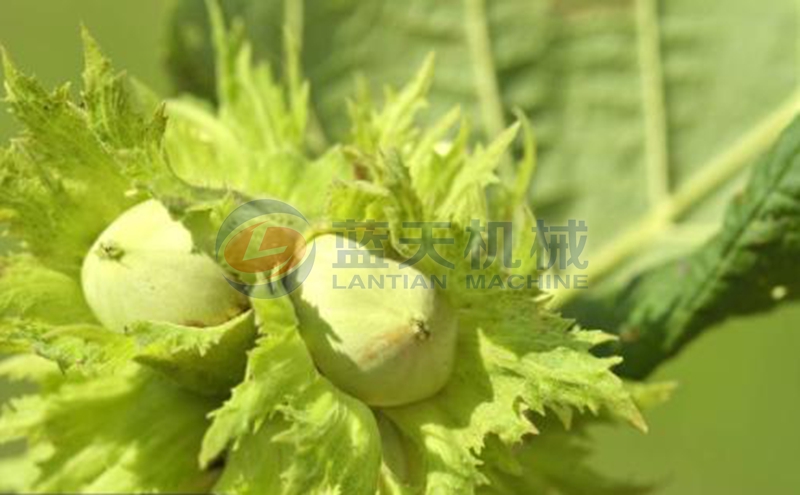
column 732, row 426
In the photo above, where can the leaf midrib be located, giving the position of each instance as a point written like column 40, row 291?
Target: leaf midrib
column 653, row 101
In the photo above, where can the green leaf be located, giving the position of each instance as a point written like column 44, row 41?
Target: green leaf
column 285, row 428
column 748, row 266
column 622, row 94
column 127, row 433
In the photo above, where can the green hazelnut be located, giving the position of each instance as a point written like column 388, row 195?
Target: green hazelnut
column 144, row 267
column 385, row 346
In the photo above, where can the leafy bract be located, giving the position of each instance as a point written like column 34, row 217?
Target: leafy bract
column 289, row 430
column 560, row 460
column 64, row 180
column 28, row 289
column 499, row 377
column 748, row 266
column 132, row 432
column 560, row 456
column 80, row 348
column 514, row 356
column 207, row 361
column 254, row 142
column 241, row 408
column 99, row 422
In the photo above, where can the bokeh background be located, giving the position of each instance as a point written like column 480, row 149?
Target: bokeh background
column 733, row 426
